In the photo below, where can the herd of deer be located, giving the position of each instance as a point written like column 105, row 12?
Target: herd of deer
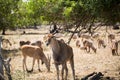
column 86, row 42
column 62, row 52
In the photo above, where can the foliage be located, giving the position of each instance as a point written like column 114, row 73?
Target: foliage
column 16, row 13
column 8, row 9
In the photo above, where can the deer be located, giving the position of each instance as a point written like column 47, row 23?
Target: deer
column 36, row 53
column 101, row 43
column 62, row 53
column 114, row 47
column 88, row 44
column 111, row 37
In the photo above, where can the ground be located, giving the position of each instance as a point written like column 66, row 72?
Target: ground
column 85, row 63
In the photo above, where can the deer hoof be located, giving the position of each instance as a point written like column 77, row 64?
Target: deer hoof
column 39, row 70
column 29, row 71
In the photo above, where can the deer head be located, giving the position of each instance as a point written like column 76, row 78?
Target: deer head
column 48, row 39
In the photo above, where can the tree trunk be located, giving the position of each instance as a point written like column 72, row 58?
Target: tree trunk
column 1, row 62
column 3, row 31
column 35, row 25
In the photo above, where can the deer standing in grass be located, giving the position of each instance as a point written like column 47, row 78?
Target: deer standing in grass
column 35, row 52
column 61, row 54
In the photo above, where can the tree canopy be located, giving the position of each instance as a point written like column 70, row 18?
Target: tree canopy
column 70, row 13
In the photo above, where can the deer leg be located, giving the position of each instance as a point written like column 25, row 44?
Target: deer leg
column 94, row 49
column 102, row 44
column 62, row 73
column 38, row 65
column 117, row 50
column 32, row 65
column 88, row 49
column 24, row 64
column 98, row 45
column 57, row 68
column 66, row 69
column 116, row 53
column 85, row 49
column 113, row 52
column 72, row 67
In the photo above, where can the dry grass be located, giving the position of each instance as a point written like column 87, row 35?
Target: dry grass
column 85, row 63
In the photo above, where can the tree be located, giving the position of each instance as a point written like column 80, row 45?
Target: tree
column 80, row 14
column 8, row 10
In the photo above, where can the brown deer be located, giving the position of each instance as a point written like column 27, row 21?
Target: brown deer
column 101, row 43
column 87, row 45
column 111, row 37
column 36, row 53
column 61, row 54
column 114, row 47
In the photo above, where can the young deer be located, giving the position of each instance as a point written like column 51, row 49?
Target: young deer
column 36, row 53
column 61, row 54
column 88, row 44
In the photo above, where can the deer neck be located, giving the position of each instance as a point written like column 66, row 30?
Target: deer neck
column 55, row 46
column 45, row 60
